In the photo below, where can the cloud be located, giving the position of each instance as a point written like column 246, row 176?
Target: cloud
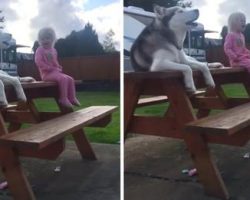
column 198, row 3
column 229, row 6
column 105, row 18
column 59, row 14
column 8, row 12
column 27, row 17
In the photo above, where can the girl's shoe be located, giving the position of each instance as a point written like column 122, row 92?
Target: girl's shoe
column 66, row 103
column 75, row 102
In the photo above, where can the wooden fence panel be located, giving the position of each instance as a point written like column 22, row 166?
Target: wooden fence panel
column 106, row 67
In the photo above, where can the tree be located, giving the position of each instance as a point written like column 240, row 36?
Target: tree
column 79, row 43
column 247, row 33
column 35, row 46
column 1, row 20
column 148, row 5
column 109, row 43
column 88, row 42
column 223, row 33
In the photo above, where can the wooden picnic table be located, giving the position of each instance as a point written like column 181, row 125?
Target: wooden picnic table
column 45, row 139
column 181, row 111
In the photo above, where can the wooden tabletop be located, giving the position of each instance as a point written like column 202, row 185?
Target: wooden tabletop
column 178, row 74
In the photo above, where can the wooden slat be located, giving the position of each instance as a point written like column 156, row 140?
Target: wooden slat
column 226, row 122
column 19, row 116
column 8, row 107
column 45, row 133
column 152, row 125
column 177, row 74
column 151, row 100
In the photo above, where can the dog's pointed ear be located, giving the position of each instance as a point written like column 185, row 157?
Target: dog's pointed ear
column 158, row 10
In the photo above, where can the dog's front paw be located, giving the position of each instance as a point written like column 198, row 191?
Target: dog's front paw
column 215, row 65
column 190, row 90
column 27, row 79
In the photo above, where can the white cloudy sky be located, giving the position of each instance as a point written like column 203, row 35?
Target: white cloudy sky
column 214, row 14
column 25, row 17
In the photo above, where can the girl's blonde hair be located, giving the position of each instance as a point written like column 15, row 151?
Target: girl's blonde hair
column 233, row 19
column 46, row 32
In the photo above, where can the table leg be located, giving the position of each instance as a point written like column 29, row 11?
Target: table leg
column 3, row 129
column 83, row 145
column 80, row 138
column 29, row 105
column 208, row 172
column 131, row 96
column 17, row 181
column 197, row 146
column 202, row 113
column 14, row 127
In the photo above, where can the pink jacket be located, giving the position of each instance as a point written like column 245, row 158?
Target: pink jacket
column 46, row 60
column 235, row 48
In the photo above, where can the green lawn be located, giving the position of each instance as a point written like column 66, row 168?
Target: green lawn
column 232, row 90
column 109, row 134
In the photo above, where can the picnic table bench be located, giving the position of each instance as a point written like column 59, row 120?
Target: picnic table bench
column 182, row 122
column 46, row 138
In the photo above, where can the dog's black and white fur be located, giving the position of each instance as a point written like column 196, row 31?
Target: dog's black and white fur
column 159, row 47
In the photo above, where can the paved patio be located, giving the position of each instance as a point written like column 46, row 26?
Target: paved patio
column 77, row 180
column 153, row 170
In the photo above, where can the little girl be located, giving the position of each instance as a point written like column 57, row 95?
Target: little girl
column 234, row 46
column 50, row 70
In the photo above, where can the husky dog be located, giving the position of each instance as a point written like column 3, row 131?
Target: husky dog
column 159, row 47
column 6, row 79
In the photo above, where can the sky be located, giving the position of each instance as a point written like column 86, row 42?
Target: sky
column 214, row 14
column 24, row 18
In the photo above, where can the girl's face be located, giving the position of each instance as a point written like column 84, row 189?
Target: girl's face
column 240, row 23
column 47, row 41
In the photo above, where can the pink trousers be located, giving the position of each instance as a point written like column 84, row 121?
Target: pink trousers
column 66, row 86
column 244, row 62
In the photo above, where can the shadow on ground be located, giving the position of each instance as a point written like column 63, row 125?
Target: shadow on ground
column 153, row 170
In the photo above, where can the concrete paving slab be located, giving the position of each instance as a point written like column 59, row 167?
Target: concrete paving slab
column 153, row 170
column 78, row 179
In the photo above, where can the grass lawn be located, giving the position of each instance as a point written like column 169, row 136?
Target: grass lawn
column 109, row 134
column 232, row 90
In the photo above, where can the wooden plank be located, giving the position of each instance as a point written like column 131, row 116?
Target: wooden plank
column 15, row 176
column 197, row 145
column 132, row 89
column 208, row 103
column 45, row 133
column 102, row 122
column 158, row 126
column 167, row 74
column 45, row 116
column 3, row 129
column 50, row 152
column 80, row 138
column 83, row 145
column 232, row 102
column 226, row 122
column 146, row 101
column 17, row 116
